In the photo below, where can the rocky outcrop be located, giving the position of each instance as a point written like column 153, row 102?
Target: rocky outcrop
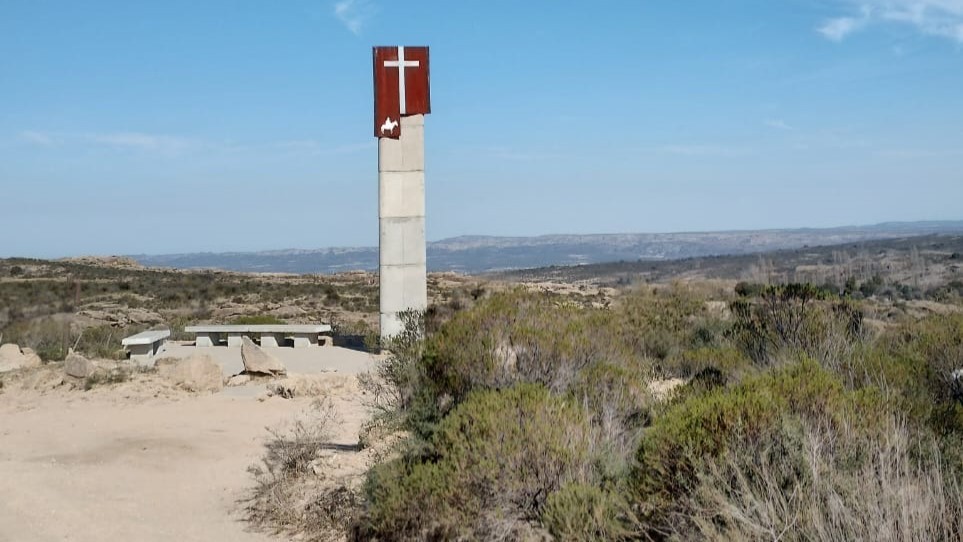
column 257, row 361
column 288, row 312
column 120, row 316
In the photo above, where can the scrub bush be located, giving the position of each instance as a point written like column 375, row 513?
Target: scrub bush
column 761, row 413
column 584, row 513
column 492, row 463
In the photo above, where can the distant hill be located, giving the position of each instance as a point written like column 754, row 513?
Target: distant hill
column 480, row 254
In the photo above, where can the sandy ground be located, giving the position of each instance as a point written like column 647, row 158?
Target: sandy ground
column 136, row 461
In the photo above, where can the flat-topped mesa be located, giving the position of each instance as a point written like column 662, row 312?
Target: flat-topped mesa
column 271, row 335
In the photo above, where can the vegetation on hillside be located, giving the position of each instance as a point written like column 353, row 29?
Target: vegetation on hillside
column 753, row 408
column 51, row 306
column 528, row 415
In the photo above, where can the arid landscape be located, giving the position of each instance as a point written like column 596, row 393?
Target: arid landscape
column 147, row 453
column 373, row 271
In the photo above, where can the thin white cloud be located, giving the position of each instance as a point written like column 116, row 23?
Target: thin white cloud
column 778, row 124
column 940, row 18
column 142, row 141
column 313, row 147
column 37, row 138
column 702, row 150
column 919, row 153
column 354, row 14
column 118, row 140
column 174, row 145
column 840, row 27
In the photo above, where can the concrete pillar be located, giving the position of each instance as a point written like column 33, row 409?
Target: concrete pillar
column 269, row 340
column 305, row 340
column 204, row 339
column 401, row 217
column 234, row 339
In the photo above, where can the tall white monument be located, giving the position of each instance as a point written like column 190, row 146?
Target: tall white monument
column 401, row 85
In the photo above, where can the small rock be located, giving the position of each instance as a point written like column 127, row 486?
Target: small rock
column 257, row 361
column 33, row 358
column 78, row 366
column 239, row 380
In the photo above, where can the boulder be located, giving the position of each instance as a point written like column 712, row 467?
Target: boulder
column 11, row 358
column 33, row 358
column 78, row 366
column 257, row 361
column 197, row 373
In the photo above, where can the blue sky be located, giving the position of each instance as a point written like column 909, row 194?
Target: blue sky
column 181, row 126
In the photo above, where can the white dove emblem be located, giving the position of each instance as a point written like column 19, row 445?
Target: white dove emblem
column 389, row 125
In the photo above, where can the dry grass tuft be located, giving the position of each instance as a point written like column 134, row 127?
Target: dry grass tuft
column 290, row 495
column 899, row 492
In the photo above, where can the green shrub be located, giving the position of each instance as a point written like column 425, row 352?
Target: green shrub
column 581, row 512
column 258, row 320
column 515, row 337
column 756, row 413
column 929, row 351
column 495, row 458
column 659, row 324
column 729, row 360
column 749, row 289
column 796, row 318
column 618, row 402
column 391, row 386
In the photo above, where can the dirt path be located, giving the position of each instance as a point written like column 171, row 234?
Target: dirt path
column 86, row 466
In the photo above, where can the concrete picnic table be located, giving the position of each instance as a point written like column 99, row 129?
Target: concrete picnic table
column 272, row 335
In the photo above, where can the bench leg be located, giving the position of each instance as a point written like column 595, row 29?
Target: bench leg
column 157, row 347
column 269, row 340
column 204, row 339
column 141, row 353
column 305, row 340
column 234, row 339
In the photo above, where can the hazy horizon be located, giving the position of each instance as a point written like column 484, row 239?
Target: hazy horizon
column 482, row 235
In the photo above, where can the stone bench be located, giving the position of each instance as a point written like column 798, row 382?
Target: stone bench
column 271, row 334
column 145, row 345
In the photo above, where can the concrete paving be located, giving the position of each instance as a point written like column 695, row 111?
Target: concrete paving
column 296, row 360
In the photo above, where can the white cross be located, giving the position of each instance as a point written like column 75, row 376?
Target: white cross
column 401, row 64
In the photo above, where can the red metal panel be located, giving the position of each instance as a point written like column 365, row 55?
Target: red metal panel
column 418, row 82
column 397, row 79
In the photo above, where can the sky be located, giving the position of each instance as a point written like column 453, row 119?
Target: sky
column 182, row 126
